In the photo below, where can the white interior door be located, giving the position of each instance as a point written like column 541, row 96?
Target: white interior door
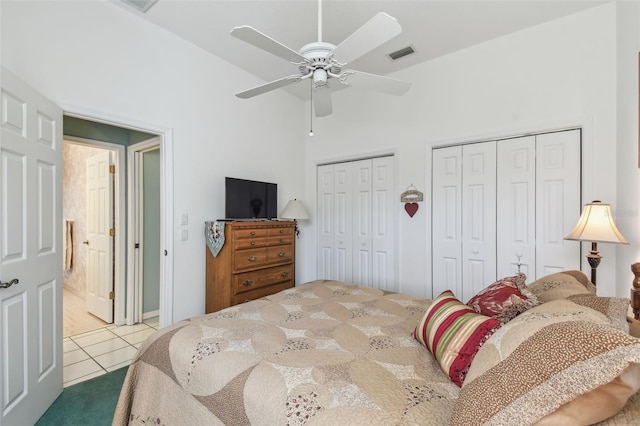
column 100, row 233
column 383, row 208
column 30, row 252
column 446, row 212
column 362, row 212
column 343, row 229
column 325, row 218
column 478, row 217
column 516, row 230
column 557, row 201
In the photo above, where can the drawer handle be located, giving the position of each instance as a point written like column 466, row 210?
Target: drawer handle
column 281, row 254
column 252, row 258
column 247, row 283
column 282, row 231
column 281, row 240
column 253, row 232
column 253, row 243
column 284, row 274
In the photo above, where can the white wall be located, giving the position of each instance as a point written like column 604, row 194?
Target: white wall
column 628, row 170
column 97, row 57
column 558, row 74
column 573, row 71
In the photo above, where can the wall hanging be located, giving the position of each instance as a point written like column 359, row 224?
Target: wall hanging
column 411, row 197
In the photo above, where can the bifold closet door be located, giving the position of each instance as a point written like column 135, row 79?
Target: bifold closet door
column 447, row 220
column 356, row 241
column 516, row 230
column 558, row 201
column 500, row 203
column 478, row 217
column 539, row 193
column 464, row 218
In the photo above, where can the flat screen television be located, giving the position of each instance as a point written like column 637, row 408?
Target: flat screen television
column 250, row 199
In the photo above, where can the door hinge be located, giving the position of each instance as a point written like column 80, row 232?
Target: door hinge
column 112, row 232
column 136, row 245
column 112, row 295
column 112, row 168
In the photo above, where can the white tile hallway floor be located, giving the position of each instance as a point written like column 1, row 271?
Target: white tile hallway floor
column 94, row 353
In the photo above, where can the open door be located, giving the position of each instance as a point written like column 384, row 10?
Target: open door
column 100, row 233
column 30, row 252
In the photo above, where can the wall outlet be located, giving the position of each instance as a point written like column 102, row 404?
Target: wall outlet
column 184, row 219
column 184, row 234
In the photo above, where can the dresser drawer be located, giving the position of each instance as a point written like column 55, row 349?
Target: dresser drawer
column 280, row 254
column 279, row 231
column 261, row 292
column 245, row 243
column 279, row 240
column 249, row 259
column 261, row 278
column 249, row 233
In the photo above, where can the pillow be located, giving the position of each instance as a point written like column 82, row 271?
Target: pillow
column 614, row 308
column 561, row 285
column 504, row 299
column 557, row 363
column 453, row 333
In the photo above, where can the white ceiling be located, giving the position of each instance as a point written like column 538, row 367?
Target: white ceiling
column 433, row 28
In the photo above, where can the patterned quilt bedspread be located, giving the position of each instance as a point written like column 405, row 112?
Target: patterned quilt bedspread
column 322, row 353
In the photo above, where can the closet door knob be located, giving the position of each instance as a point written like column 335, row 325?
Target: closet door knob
column 475, row 251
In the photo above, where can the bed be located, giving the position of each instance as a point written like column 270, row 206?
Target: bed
column 329, row 352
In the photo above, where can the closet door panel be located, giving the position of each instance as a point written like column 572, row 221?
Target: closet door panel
column 383, row 208
column 362, row 212
column 343, row 211
column 516, row 194
column 447, row 220
column 558, row 201
column 326, row 253
column 478, row 217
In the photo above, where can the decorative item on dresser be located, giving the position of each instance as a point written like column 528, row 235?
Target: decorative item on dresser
column 256, row 260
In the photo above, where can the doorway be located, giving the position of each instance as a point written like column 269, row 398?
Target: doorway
column 82, row 134
column 78, row 267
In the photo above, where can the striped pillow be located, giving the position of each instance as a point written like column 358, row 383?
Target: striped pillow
column 453, row 333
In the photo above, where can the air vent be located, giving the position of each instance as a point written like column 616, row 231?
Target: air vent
column 394, row 56
column 141, row 5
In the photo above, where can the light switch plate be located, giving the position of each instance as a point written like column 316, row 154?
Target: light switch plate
column 184, row 234
column 184, row 219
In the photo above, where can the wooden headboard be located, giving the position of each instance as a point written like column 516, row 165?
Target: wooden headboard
column 635, row 290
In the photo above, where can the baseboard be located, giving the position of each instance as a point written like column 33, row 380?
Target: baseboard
column 150, row 314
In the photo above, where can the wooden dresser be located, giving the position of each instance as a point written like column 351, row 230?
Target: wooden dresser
column 256, row 260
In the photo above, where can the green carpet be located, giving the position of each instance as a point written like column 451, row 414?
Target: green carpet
column 87, row 403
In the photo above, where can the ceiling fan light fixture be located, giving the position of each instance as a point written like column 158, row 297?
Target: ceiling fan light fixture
column 401, row 53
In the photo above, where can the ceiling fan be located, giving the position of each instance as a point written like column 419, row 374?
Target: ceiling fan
column 321, row 61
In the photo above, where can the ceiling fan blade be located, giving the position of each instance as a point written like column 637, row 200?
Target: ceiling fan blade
column 374, row 33
column 267, row 87
column 264, row 42
column 322, row 102
column 380, row 83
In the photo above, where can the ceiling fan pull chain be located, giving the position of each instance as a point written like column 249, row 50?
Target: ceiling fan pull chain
column 320, row 20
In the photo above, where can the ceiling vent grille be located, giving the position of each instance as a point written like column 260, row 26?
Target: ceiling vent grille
column 401, row 53
column 141, row 5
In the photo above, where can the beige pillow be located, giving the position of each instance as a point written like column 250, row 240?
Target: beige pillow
column 561, row 285
column 548, row 365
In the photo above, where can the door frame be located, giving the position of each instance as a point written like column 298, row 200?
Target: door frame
column 166, row 204
column 135, row 226
column 119, row 248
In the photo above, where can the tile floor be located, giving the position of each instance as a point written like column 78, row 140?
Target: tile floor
column 91, row 354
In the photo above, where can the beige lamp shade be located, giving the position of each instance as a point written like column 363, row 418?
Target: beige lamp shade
column 294, row 210
column 596, row 225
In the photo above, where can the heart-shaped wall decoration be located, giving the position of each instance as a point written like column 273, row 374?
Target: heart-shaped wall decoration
column 411, row 208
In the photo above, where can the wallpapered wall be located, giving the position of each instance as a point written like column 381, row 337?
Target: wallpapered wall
column 74, row 207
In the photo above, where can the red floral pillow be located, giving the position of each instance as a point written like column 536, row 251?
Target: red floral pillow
column 505, row 299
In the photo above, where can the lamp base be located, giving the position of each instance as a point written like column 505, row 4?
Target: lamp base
column 594, row 259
